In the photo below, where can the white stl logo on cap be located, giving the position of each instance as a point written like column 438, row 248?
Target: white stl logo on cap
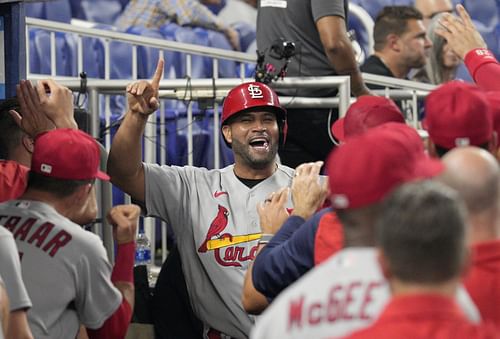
column 46, row 168
column 255, row 92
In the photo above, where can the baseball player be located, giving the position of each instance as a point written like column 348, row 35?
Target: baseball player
column 348, row 290
column 20, row 303
column 458, row 114
column 65, row 268
column 301, row 243
column 4, row 310
column 475, row 174
column 213, row 212
column 422, row 237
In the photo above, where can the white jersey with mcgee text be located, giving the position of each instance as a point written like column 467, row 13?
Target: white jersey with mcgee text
column 344, row 294
column 214, row 216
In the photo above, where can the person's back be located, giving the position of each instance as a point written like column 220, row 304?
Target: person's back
column 423, row 254
column 296, row 22
column 58, row 259
column 474, row 174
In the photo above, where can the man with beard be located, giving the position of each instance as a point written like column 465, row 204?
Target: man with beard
column 401, row 42
column 213, row 212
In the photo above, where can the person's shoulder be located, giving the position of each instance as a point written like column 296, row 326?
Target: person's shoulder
column 4, row 233
column 288, row 171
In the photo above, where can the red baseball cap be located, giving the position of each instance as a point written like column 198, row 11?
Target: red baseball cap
column 368, row 167
column 458, row 114
column 494, row 101
column 67, row 154
column 368, row 111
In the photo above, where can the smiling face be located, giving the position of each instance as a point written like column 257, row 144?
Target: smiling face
column 254, row 138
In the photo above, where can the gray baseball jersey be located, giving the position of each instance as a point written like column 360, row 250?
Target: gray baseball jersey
column 1, row 326
column 10, row 269
column 345, row 293
column 214, row 216
column 65, row 270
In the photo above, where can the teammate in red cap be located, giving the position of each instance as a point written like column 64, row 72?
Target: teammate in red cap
column 348, row 291
column 213, row 212
column 302, row 243
column 458, row 114
column 65, row 268
column 421, row 234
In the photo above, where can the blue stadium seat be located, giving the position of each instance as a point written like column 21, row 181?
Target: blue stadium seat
column 187, row 35
column 58, row 10
column 247, row 34
column 227, row 68
column 99, row 11
column 35, row 9
column 484, row 11
column 40, row 53
column 147, row 57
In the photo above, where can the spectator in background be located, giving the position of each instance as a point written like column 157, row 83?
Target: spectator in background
column 318, row 29
column 442, row 64
column 431, row 8
column 421, row 234
column 401, row 43
column 465, row 40
column 458, row 114
column 475, row 174
column 237, row 11
column 156, row 13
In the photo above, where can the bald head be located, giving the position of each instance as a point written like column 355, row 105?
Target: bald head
column 474, row 173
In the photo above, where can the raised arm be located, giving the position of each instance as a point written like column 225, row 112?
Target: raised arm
column 125, row 157
column 124, row 219
column 467, row 43
column 461, row 35
column 339, row 50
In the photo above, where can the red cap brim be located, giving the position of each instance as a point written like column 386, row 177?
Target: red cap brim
column 102, row 176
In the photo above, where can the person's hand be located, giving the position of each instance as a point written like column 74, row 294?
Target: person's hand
column 32, row 121
column 142, row 95
column 56, row 102
column 308, row 190
column 461, row 35
column 124, row 219
column 233, row 37
column 272, row 212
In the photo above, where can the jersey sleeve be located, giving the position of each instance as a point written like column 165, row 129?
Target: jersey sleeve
column 10, row 268
column 288, row 256
column 484, row 69
column 96, row 296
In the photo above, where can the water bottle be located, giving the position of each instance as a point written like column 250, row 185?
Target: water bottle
column 142, row 248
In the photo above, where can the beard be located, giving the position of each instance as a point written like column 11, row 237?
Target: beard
column 253, row 159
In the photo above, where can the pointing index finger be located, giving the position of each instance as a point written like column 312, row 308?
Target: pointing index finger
column 155, row 82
